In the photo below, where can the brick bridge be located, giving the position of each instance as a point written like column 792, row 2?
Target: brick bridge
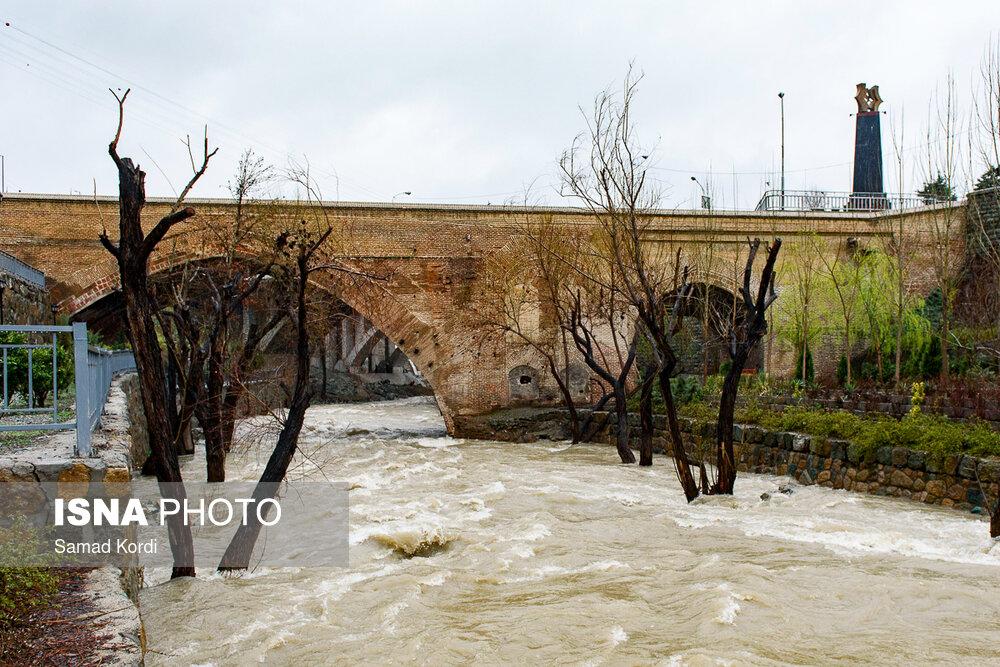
column 433, row 253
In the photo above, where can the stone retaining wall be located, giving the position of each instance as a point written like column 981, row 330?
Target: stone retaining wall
column 23, row 302
column 948, row 481
column 138, row 446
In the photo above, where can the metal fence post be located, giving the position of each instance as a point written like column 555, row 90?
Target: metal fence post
column 83, row 388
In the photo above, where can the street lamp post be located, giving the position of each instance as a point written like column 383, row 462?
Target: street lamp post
column 706, row 201
column 55, row 309
column 399, row 194
column 781, row 96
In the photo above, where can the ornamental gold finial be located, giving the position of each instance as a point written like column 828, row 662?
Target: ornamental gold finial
column 867, row 98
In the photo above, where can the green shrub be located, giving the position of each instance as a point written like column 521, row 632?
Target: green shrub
column 933, row 434
column 755, row 413
column 836, row 424
column 700, row 411
column 931, row 360
column 685, row 388
column 926, row 361
column 842, row 370
column 23, row 589
column 713, row 385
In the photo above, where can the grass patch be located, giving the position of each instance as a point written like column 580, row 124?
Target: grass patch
column 23, row 590
column 934, row 434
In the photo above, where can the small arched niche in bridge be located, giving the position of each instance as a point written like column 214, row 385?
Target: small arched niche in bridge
column 523, row 382
column 577, row 380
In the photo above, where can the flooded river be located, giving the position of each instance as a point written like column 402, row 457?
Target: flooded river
column 486, row 552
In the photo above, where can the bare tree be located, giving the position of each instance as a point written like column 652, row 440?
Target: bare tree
column 211, row 328
column 984, row 203
column 944, row 129
column 841, row 272
column 599, row 314
column 744, row 334
column 300, row 250
column 132, row 252
column 797, row 305
column 899, row 246
column 605, row 170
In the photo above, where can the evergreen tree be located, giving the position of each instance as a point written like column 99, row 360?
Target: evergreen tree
column 937, row 190
column 989, row 179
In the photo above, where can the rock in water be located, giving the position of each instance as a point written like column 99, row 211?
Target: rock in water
column 765, row 496
column 786, row 489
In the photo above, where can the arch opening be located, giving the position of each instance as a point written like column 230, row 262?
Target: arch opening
column 379, row 346
column 701, row 343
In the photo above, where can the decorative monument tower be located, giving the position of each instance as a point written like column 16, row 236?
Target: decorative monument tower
column 868, row 149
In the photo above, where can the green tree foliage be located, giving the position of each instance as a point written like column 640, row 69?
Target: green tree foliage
column 926, row 361
column 41, row 363
column 989, row 179
column 936, row 190
column 802, row 304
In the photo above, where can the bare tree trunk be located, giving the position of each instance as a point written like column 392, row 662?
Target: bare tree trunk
column 563, row 384
column 589, row 428
column 132, row 253
column 743, row 338
column 725, row 457
column 805, row 343
column 621, row 434
column 847, row 353
column 945, row 320
column 899, row 339
column 646, row 416
column 182, row 437
column 240, row 549
column 209, row 411
column 676, row 439
column 704, row 336
column 322, row 363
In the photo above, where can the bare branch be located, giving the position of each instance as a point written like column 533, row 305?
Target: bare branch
column 113, row 147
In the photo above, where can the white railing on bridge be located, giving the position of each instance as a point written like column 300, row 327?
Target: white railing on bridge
column 822, row 200
column 94, row 369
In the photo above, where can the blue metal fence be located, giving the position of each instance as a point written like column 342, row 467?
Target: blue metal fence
column 94, row 369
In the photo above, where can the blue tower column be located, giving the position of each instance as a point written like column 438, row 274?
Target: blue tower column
column 868, row 192
column 868, row 153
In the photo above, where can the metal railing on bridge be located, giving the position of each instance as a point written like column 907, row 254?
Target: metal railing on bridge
column 822, row 200
column 94, row 368
column 14, row 266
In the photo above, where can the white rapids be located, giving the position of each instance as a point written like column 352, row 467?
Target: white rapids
column 497, row 553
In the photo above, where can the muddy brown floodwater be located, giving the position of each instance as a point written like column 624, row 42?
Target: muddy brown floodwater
column 488, row 552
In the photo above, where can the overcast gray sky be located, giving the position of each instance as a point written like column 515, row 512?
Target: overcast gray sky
column 468, row 102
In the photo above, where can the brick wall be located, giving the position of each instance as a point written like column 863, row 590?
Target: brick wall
column 429, row 258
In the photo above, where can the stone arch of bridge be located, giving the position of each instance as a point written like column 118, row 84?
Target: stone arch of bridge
column 415, row 337
column 715, row 292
